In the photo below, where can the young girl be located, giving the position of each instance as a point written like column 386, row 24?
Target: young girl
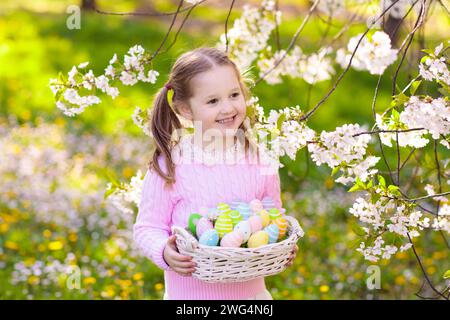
column 209, row 91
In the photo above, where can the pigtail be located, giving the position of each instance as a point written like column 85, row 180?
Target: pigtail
column 164, row 122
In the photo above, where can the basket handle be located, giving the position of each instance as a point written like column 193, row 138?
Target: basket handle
column 191, row 242
column 296, row 226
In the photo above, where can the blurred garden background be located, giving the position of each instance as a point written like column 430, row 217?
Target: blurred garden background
column 54, row 218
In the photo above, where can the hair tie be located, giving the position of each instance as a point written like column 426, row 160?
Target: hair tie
column 168, row 86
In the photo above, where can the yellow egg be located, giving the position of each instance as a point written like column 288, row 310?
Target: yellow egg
column 265, row 217
column 258, row 239
column 282, row 226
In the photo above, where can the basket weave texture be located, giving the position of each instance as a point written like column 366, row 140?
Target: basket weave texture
column 225, row 264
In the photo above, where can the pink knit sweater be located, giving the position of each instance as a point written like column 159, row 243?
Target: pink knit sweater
column 199, row 184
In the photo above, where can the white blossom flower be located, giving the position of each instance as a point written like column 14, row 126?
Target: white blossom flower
column 374, row 55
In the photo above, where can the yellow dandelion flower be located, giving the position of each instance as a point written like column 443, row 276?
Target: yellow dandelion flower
column 55, row 245
column 47, row 233
column 324, row 288
column 4, row 227
column 138, row 276
column 400, row 280
column 33, row 280
column 41, row 247
column 73, row 237
column 127, row 172
column 159, row 286
column 124, row 283
column 431, row 270
column 89, row 280
column 329, row 183
column 11, row 245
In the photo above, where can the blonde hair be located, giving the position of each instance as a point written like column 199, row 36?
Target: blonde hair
column 164, row 119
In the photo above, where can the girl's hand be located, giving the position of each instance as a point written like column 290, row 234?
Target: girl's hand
column 292, row 256
column 183, row 265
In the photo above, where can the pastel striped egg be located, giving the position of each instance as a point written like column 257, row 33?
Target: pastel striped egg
column 282, row 226
column 273, row 232
column 244, row 228
column 202, row 225
column 235, row 217
column 223, row 208
column 258, row 239
column 256, row 223
column 268, row 203
column 209, row 238
column 265, row 217
column 274, row 213
column 235, row 204
column 223, row 225
column 233, row 239
column 244, row 210
column 256, row 205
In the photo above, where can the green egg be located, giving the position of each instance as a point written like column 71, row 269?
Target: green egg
column 192, row 223
column 235, row 217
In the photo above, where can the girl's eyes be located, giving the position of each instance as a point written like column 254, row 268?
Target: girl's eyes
column 234, row 95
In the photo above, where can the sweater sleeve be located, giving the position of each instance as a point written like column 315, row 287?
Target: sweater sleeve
column 272, row 188
column 152, row 227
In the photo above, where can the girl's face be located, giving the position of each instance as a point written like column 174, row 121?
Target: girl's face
column 218, row 102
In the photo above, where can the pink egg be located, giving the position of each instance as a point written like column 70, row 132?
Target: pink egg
column 256, row 223
column 203, row 224
column 233, row 239
column 256, row 205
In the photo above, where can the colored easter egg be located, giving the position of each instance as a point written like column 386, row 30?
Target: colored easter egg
column 222, row 207
column 233, row 239
column 274, row 213
column 256, row 223
column 256, row 205
column 265, row 217
column 268, row 203
column 209, row 238
column 244, row 210
column 235, row 217
column 223, row 225
column 273, row 232
column 213, row 214
column 192, row 222
column 235, row 204
column 258, row 239
column 244, row 228
column 282, row 226
column 202, row 225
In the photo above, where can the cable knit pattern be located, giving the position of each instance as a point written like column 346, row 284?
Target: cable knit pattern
column 198, row 184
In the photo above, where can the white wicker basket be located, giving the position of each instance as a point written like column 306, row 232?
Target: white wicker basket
column 224, row 264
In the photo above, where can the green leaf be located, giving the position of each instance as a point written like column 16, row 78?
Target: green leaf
column 375, row 197
column 414, row 86
column 109, row 191
column 280, row 121
column 394, row 189
column 354, row 188
column 381, row 181
column 360, row 183
column 447, row 274
column 356, row 228
column 335, row 170
column 354, row 243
